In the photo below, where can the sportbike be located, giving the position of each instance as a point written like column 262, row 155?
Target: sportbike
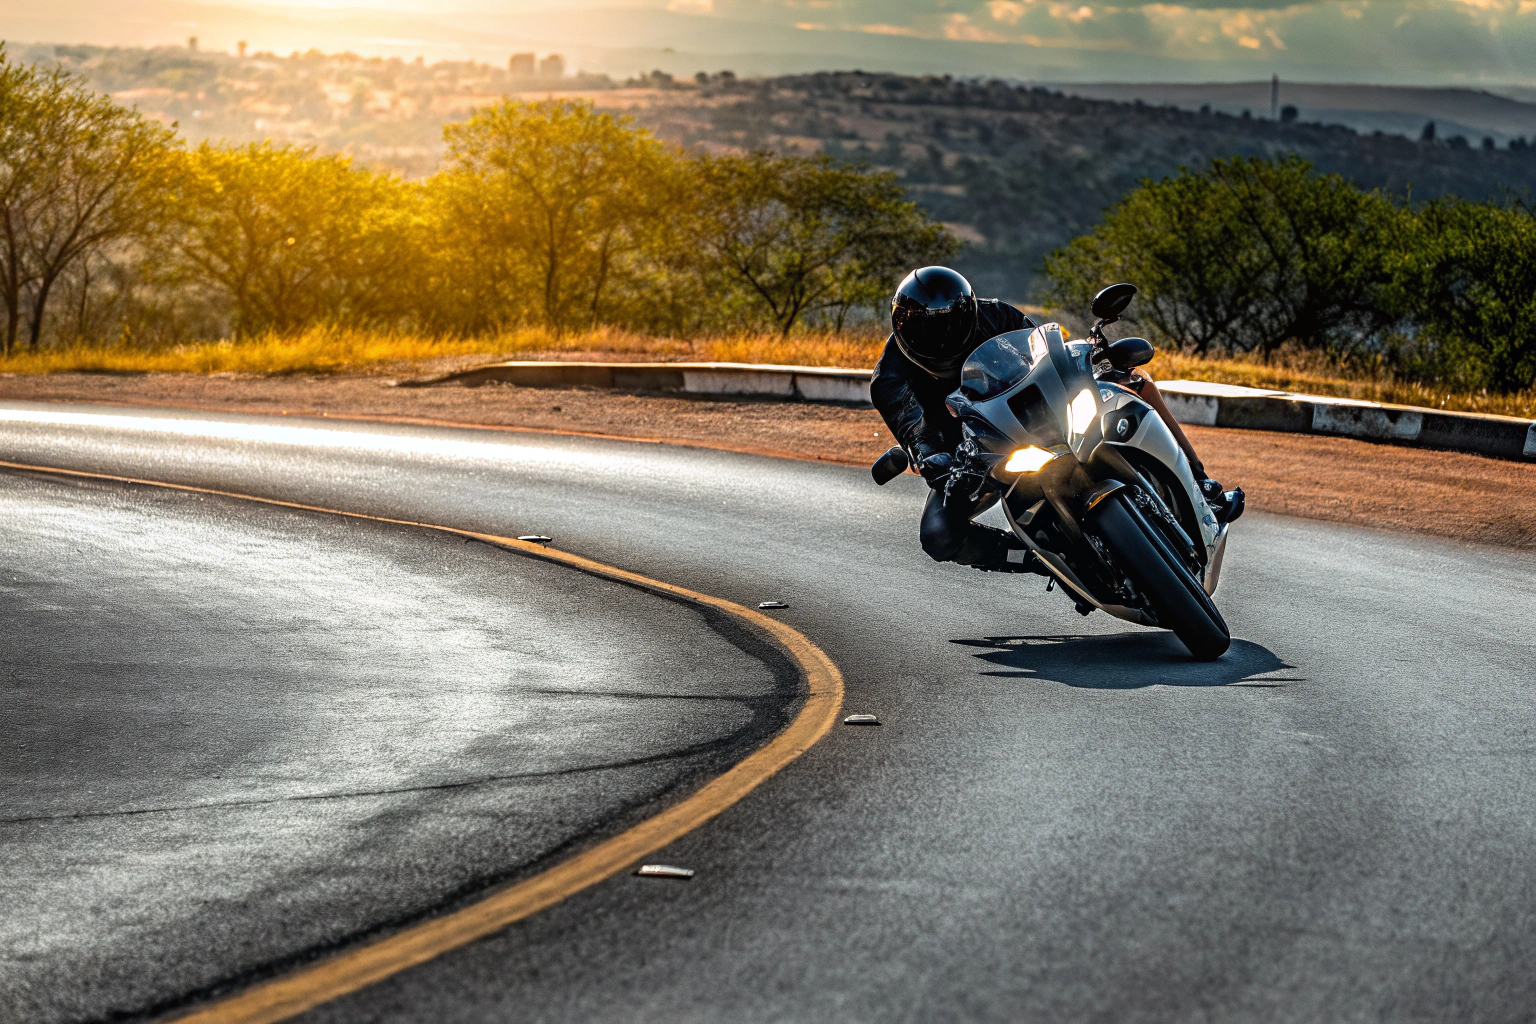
column 1089, row 477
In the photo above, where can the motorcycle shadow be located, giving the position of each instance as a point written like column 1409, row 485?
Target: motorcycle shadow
column 1125, row 661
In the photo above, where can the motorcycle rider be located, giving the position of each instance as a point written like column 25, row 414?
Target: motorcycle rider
column 936, row 323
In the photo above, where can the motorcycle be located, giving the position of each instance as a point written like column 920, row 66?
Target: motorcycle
column 1089, row 477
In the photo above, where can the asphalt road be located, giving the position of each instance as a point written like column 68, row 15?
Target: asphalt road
column 1061, row 818
column 235, row 735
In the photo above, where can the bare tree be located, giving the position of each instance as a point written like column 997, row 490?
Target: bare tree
column 78, row 174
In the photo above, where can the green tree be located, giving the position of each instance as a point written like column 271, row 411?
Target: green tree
column 1182, row 243
column 1468, row 279
column 547, row 209
column 284, row 239
column 1247, row 256
column 78, row 175
column 792, row 236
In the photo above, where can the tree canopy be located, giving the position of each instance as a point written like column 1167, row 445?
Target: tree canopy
column 548, row 213
column 1252, row 255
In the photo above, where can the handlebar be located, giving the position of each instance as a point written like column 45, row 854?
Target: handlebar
column 890, row 465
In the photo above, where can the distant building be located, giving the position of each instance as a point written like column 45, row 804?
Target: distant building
column 192, row 43
column 552, row 66
column 521, row 65
column 241, row 46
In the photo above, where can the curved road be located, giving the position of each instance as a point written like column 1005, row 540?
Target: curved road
column 1061, row 818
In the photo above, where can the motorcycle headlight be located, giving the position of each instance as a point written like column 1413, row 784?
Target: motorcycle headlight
column 1028, row 460
column 1081, row 413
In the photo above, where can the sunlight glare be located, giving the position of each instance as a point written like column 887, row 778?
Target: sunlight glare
column 336, row 439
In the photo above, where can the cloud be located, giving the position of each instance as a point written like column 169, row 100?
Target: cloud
column 1074, row 13
column 1346, row 40
column 881, row 29
column 958, row 26
column 1010, row 11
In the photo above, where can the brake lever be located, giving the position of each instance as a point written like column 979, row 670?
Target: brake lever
column 966, row 469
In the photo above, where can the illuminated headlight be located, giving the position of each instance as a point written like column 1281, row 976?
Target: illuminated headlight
column 1028, row 460
column 1081, row 412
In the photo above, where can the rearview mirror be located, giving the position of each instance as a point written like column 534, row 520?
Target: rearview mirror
column 1128, row 352
column 1111, row 302
column 890, row 466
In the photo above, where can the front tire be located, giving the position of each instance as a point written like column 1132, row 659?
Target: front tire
column 1181, row 604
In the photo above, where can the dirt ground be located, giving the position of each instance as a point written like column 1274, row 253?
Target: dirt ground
column 1446, row 494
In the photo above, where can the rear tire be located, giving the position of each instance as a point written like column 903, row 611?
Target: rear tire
column 1179, row 600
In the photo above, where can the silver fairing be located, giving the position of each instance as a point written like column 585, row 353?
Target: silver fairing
column 1062, row 371
column 1154, row 438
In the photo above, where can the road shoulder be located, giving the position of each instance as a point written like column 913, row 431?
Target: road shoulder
column 1442, row 494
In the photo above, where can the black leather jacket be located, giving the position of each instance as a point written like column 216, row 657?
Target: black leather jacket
column 912, row 400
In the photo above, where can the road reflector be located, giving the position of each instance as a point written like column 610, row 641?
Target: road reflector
column 664, row 871
column 861, row 720
column 772, row 604
column 534, row 538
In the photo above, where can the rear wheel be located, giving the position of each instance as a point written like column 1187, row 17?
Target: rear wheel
column 1143, row 554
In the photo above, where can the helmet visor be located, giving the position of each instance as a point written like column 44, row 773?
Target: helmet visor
column 934, row 340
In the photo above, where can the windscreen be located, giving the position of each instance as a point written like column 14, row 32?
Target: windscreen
column 1081, row 353
column 996, row 366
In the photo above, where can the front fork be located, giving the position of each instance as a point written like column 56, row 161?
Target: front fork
column 1070, row 491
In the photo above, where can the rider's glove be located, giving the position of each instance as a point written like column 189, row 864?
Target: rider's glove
column 935, row 468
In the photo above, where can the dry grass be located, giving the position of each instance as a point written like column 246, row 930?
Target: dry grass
column 846, row 350
column 313, row 351
column 333, row 350
column 330, row 350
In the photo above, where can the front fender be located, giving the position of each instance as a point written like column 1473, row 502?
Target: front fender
column 1153, row 439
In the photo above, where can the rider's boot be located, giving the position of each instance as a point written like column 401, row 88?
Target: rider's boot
column 993, row 550
column 1226, row 505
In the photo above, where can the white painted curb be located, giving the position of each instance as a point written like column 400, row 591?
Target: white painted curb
column 1201, row 403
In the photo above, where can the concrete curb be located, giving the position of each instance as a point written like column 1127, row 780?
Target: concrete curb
column 1195, row 402
column 806, row 383
column 1226, row 405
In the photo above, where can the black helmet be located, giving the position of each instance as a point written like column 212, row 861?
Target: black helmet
column 932, row 315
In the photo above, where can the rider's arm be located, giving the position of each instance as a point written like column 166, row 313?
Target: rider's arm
column 1003, row 317
column 891, row 392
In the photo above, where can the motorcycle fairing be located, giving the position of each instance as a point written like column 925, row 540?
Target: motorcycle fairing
column 1153, row 437
column 1061, row 371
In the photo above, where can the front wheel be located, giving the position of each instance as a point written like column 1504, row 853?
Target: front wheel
column 1179, row 601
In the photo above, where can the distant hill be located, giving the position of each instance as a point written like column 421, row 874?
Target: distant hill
column 1472, row 113
column 1019, row 170
column 1015, row 170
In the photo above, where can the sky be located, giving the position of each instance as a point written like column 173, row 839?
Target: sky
column 1421, row 42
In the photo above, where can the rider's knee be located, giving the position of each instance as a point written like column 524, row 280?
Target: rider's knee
column 940, row 545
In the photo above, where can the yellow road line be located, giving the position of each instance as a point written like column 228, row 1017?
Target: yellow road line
column 307, row 987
